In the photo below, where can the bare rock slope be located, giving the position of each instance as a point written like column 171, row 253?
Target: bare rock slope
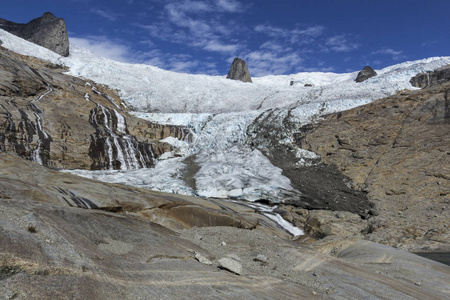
column 66, row 237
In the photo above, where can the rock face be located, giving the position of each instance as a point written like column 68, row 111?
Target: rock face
column 47, row 31
column 365, row 74
column 239, row 71
column 439, row 76
column 66, row 122
column 397, row 150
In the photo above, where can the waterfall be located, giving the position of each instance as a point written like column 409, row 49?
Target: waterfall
column 43, row 142
column 120, row 151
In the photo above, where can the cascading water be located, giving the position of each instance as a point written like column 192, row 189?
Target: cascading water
column 118, row 150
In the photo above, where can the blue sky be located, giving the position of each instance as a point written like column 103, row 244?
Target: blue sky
column 274, row 37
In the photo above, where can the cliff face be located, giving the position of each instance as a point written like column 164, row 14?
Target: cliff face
column 438, row 76
column 66, row 122
column 47, row 31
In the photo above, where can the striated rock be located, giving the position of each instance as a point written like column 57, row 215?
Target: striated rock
column 365, row 74
column 66, row 122
column 88, row 246
column 239, row 71
column 47, row 31
column 396, row 149
column 438, row 76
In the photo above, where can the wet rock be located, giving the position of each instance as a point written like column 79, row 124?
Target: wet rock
column 231, row 265
column 439, row 76
column 365, row 74
column 65, row 122
column 239, row 71
column 47, row 31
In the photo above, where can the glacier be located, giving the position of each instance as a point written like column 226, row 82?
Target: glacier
column 222, row 161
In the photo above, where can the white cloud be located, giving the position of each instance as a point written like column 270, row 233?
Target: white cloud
column 396, row 55
column 264, row 62
column 216, row 46
column 341, row 43
column 291, row 35
column 230, row 6
column 105, row 14
column 103, row 47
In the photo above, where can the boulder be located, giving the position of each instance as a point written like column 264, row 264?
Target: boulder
column 321, row 223
column 47, row 31
column 438, row 76
column 365, row 74
column 231, row 265
column 239, row 71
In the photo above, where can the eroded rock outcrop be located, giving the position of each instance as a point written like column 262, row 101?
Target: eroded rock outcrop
column 47, row 31
column 239, row 71
column 365, row 74
column 438, row 76
column 66, row 122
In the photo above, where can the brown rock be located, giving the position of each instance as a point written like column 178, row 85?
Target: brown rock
column 66, row 122
column 396, row 149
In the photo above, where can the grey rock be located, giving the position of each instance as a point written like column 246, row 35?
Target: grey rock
column 202, row 259
column 231, row 265
column 239, row 71
column 261, row 258
column 438, row 76
column 365, row 74
column 235, row 257
column 47, row 31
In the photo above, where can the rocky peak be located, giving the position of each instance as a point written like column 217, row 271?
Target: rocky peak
column 47, row 31
column 365, row 74
column 239, row 71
